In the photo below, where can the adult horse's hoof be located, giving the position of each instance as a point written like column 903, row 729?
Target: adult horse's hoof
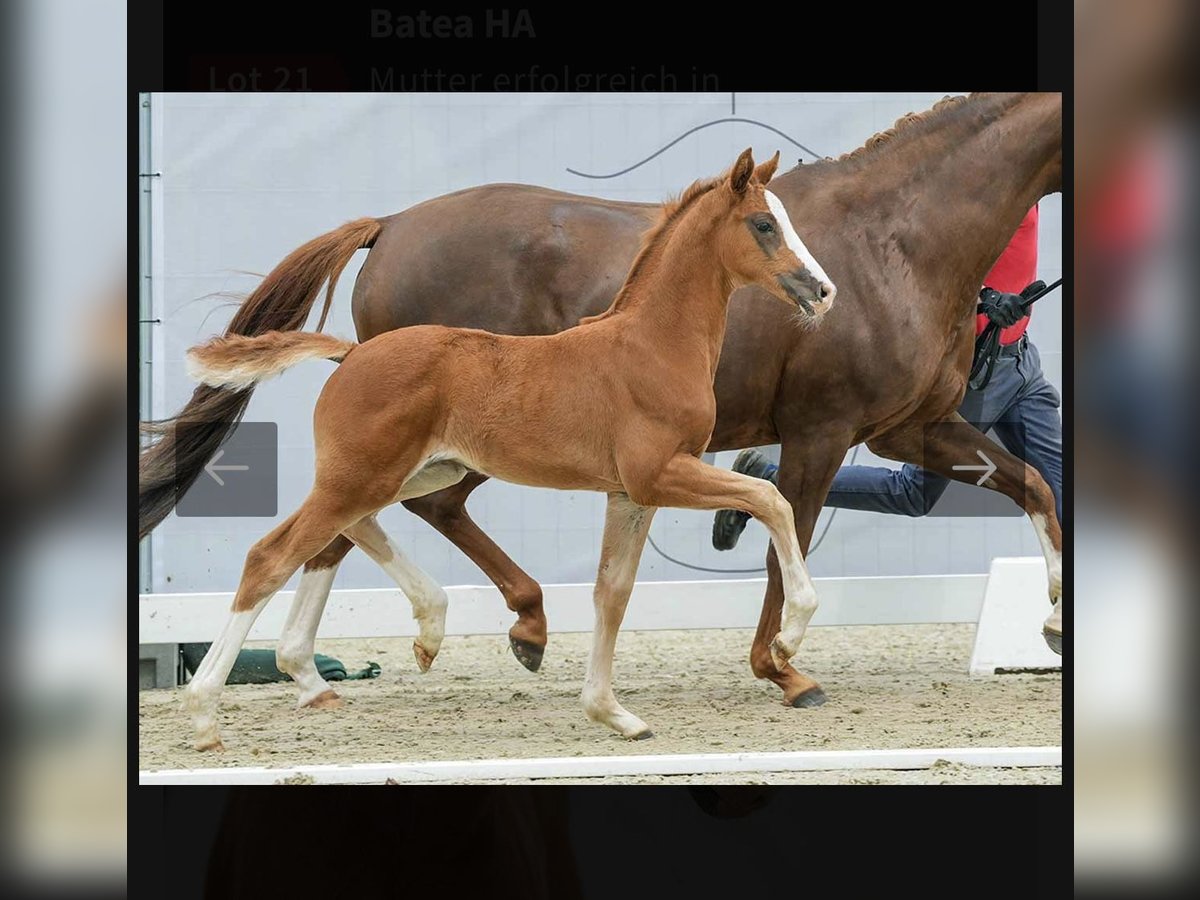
column 213, row 745
column 527, row 654
column 1053, row 640
column 814, row 696
column 643, row 735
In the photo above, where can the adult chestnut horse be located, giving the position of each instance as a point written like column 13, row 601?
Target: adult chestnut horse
column 907, row 226
column 622, row 404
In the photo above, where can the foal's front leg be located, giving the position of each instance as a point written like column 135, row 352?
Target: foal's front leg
column 626, row 525
column 687, row 482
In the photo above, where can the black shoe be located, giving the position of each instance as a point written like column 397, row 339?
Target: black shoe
column 728, row 524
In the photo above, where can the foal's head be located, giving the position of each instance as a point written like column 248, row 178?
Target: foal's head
column 758, row 245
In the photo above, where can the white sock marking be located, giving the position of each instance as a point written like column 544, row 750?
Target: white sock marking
column 1053, row 557
column 294, row 652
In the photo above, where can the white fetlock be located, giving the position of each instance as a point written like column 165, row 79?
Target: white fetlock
column 1054, row 622
column 780, row 653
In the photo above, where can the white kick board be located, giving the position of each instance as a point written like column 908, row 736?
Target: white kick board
column 476, row 770
column 1015, row 604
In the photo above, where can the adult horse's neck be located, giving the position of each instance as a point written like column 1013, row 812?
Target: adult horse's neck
column 944, row 194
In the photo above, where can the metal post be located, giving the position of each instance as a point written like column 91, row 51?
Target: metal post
column 145, row 307
column 159, row 664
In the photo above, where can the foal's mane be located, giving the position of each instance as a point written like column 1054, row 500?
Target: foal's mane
column 656, row 236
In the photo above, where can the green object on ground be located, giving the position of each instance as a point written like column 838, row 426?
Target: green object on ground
column 258, row 666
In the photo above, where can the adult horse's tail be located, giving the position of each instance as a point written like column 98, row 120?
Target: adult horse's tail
column 281, row 303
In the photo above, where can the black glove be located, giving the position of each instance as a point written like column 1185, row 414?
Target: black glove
column 1003, row 309
column 1032, row 289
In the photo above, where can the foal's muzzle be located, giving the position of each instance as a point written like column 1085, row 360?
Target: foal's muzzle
column 811, row 294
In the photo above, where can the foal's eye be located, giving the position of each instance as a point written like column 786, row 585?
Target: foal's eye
column 765, row 227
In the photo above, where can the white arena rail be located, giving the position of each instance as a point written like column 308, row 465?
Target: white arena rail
column 655, row 606
column 473, row 770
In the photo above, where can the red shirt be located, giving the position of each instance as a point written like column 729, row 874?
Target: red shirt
column 1013, row 271
column 1129, row 204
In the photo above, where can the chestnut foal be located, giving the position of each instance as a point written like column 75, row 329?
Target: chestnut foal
column 623, row 404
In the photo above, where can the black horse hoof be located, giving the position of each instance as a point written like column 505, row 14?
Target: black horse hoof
column 1053, row 640
column 814, row 696
column 643, row 735
column 527, row 654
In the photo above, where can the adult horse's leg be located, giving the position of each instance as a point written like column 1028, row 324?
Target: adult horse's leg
column 446, row 511
column 294, row 652
column 626, row 525
column 955, row 442
column 806, row 469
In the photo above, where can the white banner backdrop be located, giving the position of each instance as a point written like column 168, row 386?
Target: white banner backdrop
column 246, row 178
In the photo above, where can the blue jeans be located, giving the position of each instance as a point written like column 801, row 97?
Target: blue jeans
column 1018, row 400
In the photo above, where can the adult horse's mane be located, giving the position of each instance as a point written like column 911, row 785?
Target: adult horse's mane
column 909, row 124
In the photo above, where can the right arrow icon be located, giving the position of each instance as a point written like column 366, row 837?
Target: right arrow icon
column 987, row 469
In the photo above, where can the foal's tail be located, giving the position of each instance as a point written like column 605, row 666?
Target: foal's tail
column 281, row 303
column 239, row 362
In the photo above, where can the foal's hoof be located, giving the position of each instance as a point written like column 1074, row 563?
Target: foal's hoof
column 424, row 657
column 529, row 655
column 814, row 696
column 325, row 700
column 1053, row 640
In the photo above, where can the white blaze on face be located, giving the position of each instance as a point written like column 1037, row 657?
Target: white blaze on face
column 796, row 245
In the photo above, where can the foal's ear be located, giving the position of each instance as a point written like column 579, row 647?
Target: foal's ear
column 766, row 171
column 739, row 175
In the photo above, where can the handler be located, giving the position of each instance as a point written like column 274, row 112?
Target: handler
column 1018, row 402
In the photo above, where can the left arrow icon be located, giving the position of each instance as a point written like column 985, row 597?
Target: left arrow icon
column 212, row 468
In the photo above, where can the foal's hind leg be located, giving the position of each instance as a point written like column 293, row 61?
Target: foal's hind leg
column 294, row 652
column 269, row 564
column 446, row 511
column 427, row 597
